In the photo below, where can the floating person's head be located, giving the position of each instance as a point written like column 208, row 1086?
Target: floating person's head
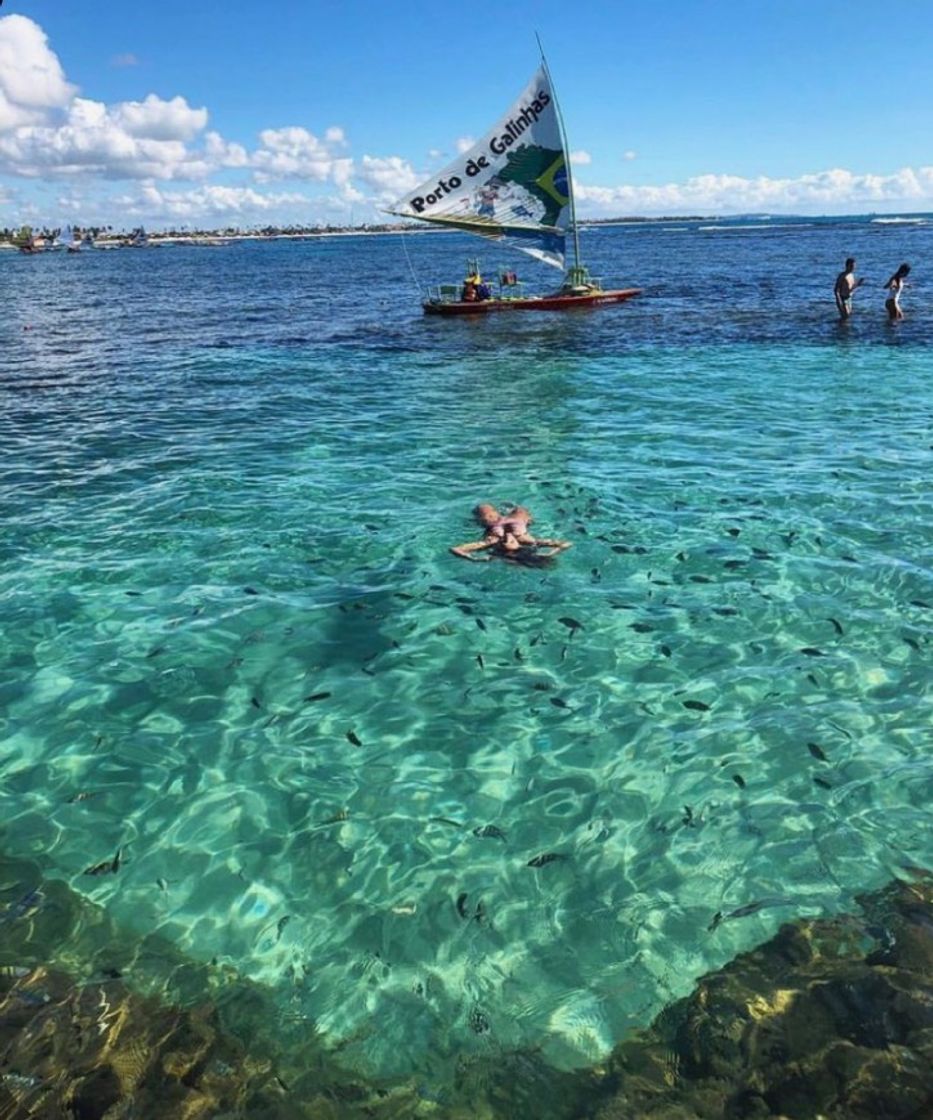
column 486, row 514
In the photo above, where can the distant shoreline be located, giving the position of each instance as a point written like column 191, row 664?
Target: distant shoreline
column 107, row 239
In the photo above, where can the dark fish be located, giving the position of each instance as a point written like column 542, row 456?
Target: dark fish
column 480, row 623
column 14, row 971
column 921, row 603
column 621, row 548
column 687, row 818
column 464, row 609
column 489, row 832
column 480, row 661
column 848, row 557
column 445, row 820
column 255, row 702
column 754, row 907
column 822, row 782
column 717, row 918
column 700, row 579
column 280, row 925
column 571, row 624
column 546, row 858
column 558, row 703
column 108, row 867
column 639, row 550
column 812, row 679
column 812, row 651
column 681, row 556
column 155, row 652
column 733, row 532
column 666, row 650
column 912, row 642
column 695, row 705
column 478, row 1021
column 133, row 593
column 353, row 738
column 402, row 595
column 733, row 564
column 563, row 652
column 817, row 751
column 641, row 627
column 250, row 591
column 541, row 686
column 739, row 780
column 315, row 696
column 461, row 905
column 518, row 655
column 725, row 612
column 837, row 626
column 30, row 901
column 761, row 554
column 84, row 795
column 480, row 913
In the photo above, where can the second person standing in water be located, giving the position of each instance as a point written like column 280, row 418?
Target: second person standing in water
column 844, row 287
column 894, row 287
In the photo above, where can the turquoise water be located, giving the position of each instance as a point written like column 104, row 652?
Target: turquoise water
column 229, row 617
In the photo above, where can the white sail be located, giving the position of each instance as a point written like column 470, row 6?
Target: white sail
column 512, row 186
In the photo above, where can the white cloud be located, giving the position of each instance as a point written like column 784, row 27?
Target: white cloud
column 205, row 202
column 97, row 140
column 580, row 157
column 155, row 119
column 391, row 176
column 465, row 143
column 123, row 60
column 833, row 191
column 630, row 154
column 32, row 82
column 296, row 153
column 222, row 153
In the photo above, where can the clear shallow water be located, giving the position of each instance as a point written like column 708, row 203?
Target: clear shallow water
column 228, row 613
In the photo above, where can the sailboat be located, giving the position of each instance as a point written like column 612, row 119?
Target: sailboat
column 513, row 186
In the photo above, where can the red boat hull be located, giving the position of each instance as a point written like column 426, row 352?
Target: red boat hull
column 531, row 303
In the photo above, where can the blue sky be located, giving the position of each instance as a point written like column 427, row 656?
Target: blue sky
column 238, row 113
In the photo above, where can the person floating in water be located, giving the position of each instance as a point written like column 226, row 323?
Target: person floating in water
column 844, row 287
column 507, row 536
column 895, row 286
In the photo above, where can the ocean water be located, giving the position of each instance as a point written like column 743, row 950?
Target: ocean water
column 235, row 648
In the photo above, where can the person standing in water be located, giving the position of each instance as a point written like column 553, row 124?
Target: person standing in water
column 895, row 286
column 844, row 287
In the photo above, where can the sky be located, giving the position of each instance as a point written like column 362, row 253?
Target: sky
column 187, row 113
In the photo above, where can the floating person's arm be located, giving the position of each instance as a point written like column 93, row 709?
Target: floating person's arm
column 553, row 545
column 464, row 550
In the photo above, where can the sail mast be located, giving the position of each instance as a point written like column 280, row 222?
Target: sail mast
column 563, row 137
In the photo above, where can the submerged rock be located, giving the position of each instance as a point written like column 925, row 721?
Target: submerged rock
column 832, row 1018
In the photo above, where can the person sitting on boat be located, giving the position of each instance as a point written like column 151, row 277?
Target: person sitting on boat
column 482, row 289
column 468, row 291
column 508, row 537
